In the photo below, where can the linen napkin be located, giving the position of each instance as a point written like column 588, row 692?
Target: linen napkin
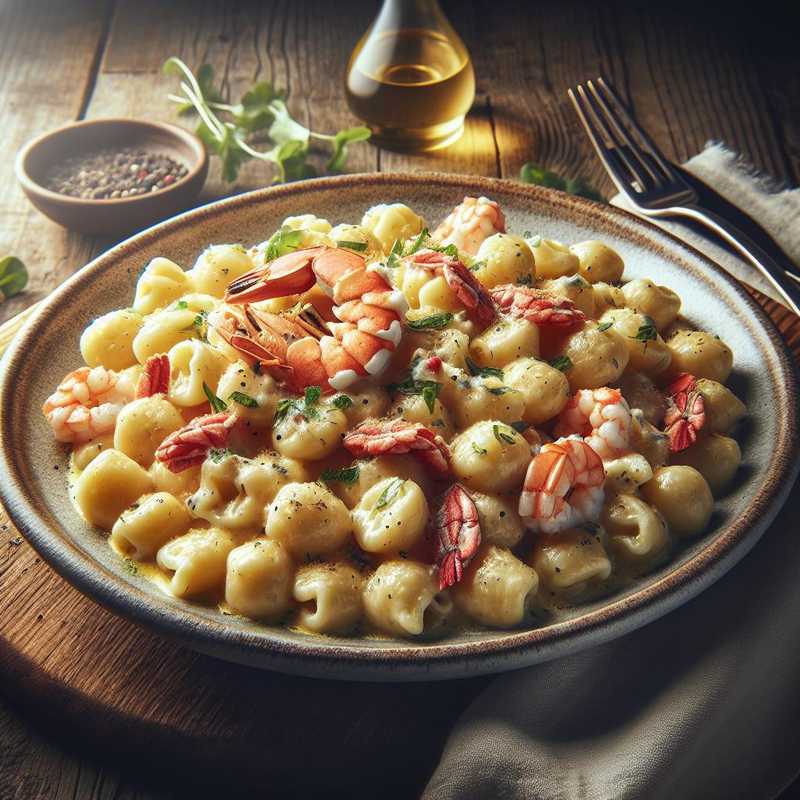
column 704, row 703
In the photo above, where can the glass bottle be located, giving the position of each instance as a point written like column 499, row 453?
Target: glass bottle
column 410, row 77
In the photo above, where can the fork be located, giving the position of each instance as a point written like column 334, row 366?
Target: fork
column 653, row 185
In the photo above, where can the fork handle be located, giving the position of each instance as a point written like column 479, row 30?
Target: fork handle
column 745, row 246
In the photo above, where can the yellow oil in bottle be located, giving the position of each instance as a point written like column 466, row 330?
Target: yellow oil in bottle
column 413, row 86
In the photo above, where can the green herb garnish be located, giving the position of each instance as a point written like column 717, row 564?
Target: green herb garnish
column 562, row 363
column 218, row 454
column 342, row 402
column 306, row 408
column 345, row 475
column 604, row 326
column 357, row 246
column 418, row 242
column 13, row 277
column 181, row 305
column 244, row 399
column 281, row 242
column 647, row 331
column 499, row 390
column 504, row 434
column 216, row 403
column 233, row 132
column 390, row 494
column 532, row 173
column 433, row 322
column 481, row 451
column 483, row 372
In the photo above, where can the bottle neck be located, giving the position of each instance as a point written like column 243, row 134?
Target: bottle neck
column 398, row 14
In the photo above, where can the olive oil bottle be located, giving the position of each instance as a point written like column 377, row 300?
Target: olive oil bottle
column 410, row 77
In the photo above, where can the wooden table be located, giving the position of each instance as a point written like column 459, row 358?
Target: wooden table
column 689, row 76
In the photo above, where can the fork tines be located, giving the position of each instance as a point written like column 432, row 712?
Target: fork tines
column 627, row 152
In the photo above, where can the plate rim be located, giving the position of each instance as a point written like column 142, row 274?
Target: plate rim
column 321, row 656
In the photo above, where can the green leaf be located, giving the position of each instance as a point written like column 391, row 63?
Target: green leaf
column 340, row 142
column 647, row 331
column 284, row 128
column 205, row 80
column 418, row 242
column 504, row 434
column 244, row 399
column 313, row 393
column 359, row 247
column 433, row 322
column 580, row 187
column 604, row 326
column 219, row 454
column 562, row 363
column 281, row 242
column 344, row 475
column 253, row 113
column 481, row 451
column 389, row 494
column 181, row 305
column 283, row 409
column 13, row 276
column 429, row 394
column 216, row 403
column 342, row 402
column 539, row 176
column 499, row 390
column 230, row 153
column 484, row 372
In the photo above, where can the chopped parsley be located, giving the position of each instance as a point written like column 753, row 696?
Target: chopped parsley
column 562, row 363
column 604, row 326
column 244, row 399
column 359, row 247
column 217, row 403
column 483, row 372
column 306, row 408
column 499, row 390
column 390, row 494
column 281, row 242
column 181, row 305
column 481, row 451
column 433, row 322
column 504, row 434
column 429, row 390
column 217, row 454
column 418, row 243
column 342, row 402
column 345, row 475
column 647, row 331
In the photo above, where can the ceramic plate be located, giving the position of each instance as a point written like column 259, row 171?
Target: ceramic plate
column 35, row 492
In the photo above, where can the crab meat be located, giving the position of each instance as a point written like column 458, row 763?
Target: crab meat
column 537, row 306
column 381, row 437
column 190, row 445
column 459, row 533
column 155, row 377
column 686, row 412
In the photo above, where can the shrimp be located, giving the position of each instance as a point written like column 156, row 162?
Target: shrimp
column 602, row 417
column 470, row 222
column 87, row 402
column 459, row 532
column 686, row 412
column 190, row 445
column 155, row 377
column 537, row 306
column 563, row 486
column 380, row 437
column 469, row 291
column 331, row 355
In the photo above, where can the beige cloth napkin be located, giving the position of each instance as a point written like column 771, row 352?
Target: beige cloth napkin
column 704, row 703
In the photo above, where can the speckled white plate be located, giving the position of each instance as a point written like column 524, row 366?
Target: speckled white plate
column 35, row 493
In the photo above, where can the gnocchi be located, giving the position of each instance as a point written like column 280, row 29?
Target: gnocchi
column 373, row 453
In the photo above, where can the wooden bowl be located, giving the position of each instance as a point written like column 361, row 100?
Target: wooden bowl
column 119, row 216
